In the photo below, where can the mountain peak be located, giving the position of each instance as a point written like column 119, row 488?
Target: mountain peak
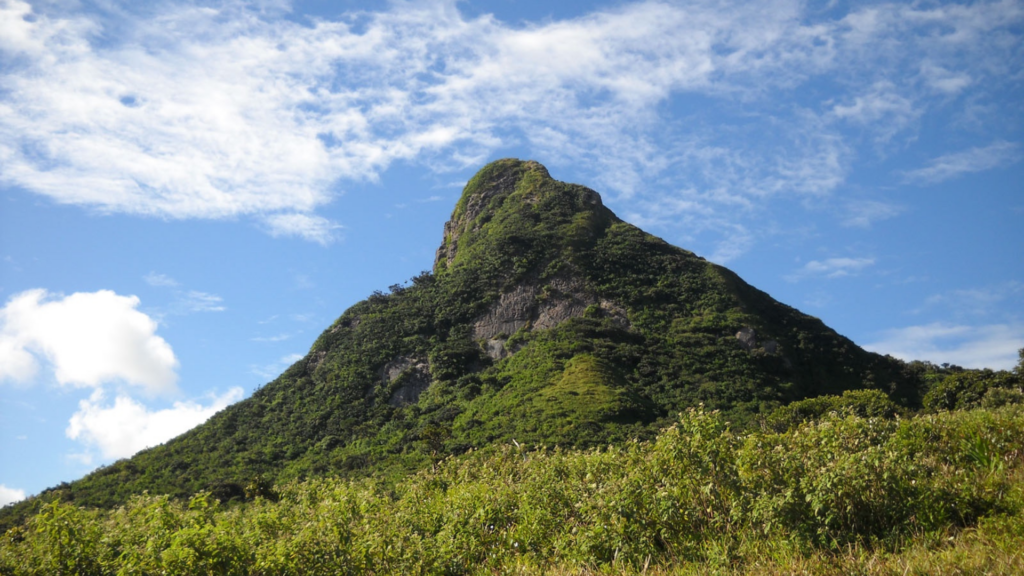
column 509, row 186
column 548, row 320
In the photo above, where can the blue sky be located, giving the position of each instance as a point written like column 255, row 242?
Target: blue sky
column 191, row 192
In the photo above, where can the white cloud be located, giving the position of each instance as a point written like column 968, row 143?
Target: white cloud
column 160, row 280
column 10, row 495
column 733, row 245
column 831, row 268
column 274, row 369
column 976, row 159
column 123, row 428
column 186, row 302
column 89, row 338
column 882, row 107
column 196, row 301
column 979, row 301
column 223, row 111
column 991, row 346
column 277, row 338
column 944, row 80
column 312, row 228
column 864, row 213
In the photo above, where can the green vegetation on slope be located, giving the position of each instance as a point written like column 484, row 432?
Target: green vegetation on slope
column 546, row 320
column 699, row 497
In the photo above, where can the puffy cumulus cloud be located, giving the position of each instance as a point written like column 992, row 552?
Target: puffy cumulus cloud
column 10, row 495
column 223, row 110
column 89, row 338
column 989, row 346
column 123, row 428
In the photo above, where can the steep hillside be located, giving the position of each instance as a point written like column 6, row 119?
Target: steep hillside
column 546, row 320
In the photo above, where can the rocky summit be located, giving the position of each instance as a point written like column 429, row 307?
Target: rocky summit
column 546, row 320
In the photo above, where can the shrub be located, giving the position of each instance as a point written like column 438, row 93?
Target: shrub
column 863, row 403
column 697, row 495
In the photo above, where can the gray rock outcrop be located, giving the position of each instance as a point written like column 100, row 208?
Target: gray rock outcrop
column 412, row 377
column 539, row 308
column 747, row 337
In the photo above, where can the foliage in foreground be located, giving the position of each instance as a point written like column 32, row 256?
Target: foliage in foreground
column 832, row 494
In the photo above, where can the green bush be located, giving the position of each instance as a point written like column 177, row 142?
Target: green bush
column 697, row 495
column 966, row 389
column 996, row 397
column 863, row 403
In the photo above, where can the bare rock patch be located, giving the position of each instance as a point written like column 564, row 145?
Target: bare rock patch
column 412, row 377
column 539, row 307
column 747, row 337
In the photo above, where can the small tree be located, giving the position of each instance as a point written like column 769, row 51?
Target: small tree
column 434, row 437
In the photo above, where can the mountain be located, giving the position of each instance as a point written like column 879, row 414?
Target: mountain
column 546, row 320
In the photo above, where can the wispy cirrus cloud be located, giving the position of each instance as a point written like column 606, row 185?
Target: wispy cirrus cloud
column 196, row 301
column 977, row 301
column 313, row 228
column 222, row 111
column 185, row 301
column 864, row 213
column 274, row 369
column 986, row 346
column 831, row 268
column 882, row 106
column 276, row 338
column 977, row 159
column 944, row 80
column 160, row 280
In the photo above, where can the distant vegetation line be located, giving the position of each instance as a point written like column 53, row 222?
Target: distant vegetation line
column 821, row 493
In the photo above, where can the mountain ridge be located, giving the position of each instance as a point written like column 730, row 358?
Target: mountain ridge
column 546, row 319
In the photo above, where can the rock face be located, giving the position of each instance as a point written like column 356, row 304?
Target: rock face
column 510, row 313
column 495, row 348
column 412, row 377
column 539, row 308
column 747, row 337
column 314, row 361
